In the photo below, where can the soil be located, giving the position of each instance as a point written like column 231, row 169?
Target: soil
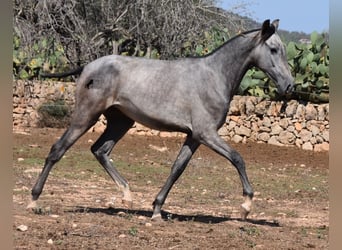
column 81, row 208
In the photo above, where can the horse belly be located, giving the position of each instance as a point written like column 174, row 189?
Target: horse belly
column 161, row 117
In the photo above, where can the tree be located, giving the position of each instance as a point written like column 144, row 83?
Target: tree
column 88, row 29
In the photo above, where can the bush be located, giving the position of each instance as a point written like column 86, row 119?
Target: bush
column 54, row 114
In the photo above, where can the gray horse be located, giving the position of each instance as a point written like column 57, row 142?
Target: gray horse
column 189, row 95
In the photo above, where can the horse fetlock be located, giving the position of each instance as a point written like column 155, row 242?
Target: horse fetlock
column 156, row 217
column 32, row 205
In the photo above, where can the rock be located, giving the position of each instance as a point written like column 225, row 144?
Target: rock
column 50, row 241
column 305, row 135
column 325, row 135
column 242, row 105
column 307, row 146
column 276, row 129
column 320, row 112
column 237, row 138
column 299, row 143
column 272, row 109
column 264, row 129
column 234, row 108
column 284, row 123
column 267, row 122
column 250, row 106
column 291, row 108
column 260, row 108
column 298, row 126
column 314, row 130
column 321, row 147
column 286, row 137
column 231, row 125
column 300, row 112
column 273, row 141
column 290, row 129
column 313, row 140
column 22, row 228
column 264, row 137
column 223, row 131
column 310, row 112
column 243, row 131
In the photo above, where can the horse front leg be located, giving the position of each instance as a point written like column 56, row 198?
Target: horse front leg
column 216, row 143
column 188, row 149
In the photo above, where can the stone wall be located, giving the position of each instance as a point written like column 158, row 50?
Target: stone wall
column 304, row 125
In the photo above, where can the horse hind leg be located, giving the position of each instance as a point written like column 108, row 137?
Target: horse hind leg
column 76, row 129
column 117, row 126
column 188, row 149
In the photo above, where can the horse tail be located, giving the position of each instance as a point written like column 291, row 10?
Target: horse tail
column 76, row 71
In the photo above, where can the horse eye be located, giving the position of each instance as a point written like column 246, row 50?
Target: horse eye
column 274, row 51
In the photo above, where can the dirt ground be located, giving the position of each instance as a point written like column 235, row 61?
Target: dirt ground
column 80, row 207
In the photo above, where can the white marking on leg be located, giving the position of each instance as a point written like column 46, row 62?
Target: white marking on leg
column 246, row 207
column 127, row 196
column 156, row 217
column 32, row 205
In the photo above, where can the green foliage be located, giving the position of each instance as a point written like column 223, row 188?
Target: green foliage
column 211, row 40
column 54, row 114
column 46, row 55
column 309, row 64
column 133, row 231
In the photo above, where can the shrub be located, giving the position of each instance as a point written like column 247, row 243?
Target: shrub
column 54, row 114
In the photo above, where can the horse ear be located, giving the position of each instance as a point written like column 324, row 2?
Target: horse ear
column 268, row 29
column 275, row 23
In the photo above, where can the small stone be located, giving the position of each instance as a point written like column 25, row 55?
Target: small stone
column 325, row 136
column 273, row 141
column 310, row 112
column 121, row 213
column 237, row 139
column 50, row 241
column 307, row 146
column 147, row 224
column 266, row 122
column 22, row 228
column 298, row 126
column 122, row 236
column 305, row 135
column 243, row 131
column 276, row 129
column 286, row 137
column 20, row 159
column 264, row 136
column 141, row 217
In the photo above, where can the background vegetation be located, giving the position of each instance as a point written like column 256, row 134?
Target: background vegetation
column 58, row 35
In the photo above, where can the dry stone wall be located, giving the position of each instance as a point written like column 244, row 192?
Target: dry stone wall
column 304, row 125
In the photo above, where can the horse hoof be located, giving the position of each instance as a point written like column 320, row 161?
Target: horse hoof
column 128, row 204
column 32, row 206
column 156, row 218
column 244, row 212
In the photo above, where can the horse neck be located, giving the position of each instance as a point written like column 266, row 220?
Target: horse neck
column 233, row 60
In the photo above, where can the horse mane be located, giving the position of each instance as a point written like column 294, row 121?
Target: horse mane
column 242, row 34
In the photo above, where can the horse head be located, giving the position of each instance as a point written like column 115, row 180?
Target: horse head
column 270, row 56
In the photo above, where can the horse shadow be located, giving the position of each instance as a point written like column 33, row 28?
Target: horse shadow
column 167, row 216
